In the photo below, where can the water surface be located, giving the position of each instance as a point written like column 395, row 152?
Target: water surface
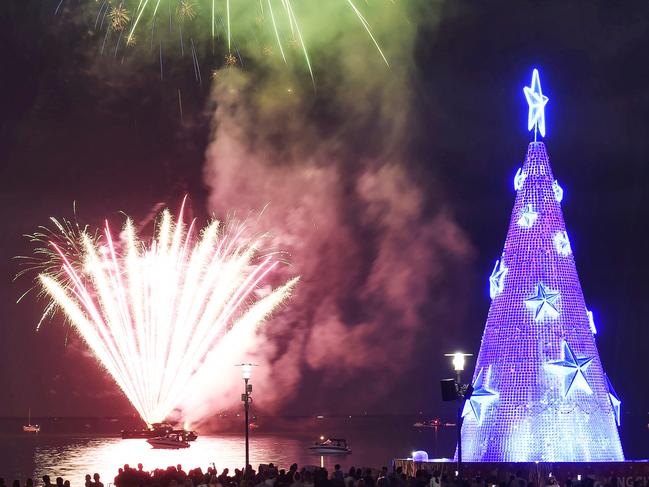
column 59, row 451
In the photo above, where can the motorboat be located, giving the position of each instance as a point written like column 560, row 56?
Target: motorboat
column 433, row 423
column 186, row 435
column 331, row 446
column 29, row 427
column 171, row 441
column 155, row 431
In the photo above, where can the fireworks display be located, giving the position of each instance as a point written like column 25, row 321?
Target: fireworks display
column 152, row 312
column 271, row 22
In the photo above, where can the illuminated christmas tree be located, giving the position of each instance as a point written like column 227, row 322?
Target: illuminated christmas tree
column 540, row 391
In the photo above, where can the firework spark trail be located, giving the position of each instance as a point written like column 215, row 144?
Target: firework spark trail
column 128, row 18
column 151, row 314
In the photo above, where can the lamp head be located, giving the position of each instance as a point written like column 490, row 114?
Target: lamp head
column 458, row 359
column 246, row 370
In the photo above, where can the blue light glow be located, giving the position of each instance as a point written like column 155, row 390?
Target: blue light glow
column 481, row 397
column 562, row 243
column 616, row 404
column 497, row 278
column 572, row 369
column 536, row 101
column 527, row 216
column 558, row 191
column 519, row 179
column 591, row 322
column 543, row 303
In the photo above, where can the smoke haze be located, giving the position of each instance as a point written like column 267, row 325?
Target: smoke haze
column 377, row 250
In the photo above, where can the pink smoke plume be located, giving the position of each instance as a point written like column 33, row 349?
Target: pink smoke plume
column 372, row 255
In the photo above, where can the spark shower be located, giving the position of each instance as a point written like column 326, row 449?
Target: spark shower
column 152, row 312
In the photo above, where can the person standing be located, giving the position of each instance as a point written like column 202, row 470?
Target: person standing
column 97, row 482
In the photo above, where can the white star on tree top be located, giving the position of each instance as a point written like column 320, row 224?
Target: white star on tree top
column 536, row 101
column 543, row 303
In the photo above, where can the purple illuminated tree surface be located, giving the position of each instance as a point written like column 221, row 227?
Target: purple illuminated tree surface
column 541, row 393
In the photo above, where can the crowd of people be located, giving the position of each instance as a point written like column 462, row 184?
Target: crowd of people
column 271, row 476
column 265, row 476
column 46, row 482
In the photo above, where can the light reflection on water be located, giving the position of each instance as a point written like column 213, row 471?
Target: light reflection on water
column 59, row 452
column 74, row 459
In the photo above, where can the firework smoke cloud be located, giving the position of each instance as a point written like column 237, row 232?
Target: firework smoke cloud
column 378, row 251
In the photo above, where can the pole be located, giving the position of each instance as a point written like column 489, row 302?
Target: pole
column 459, row 428
column 459, row 442
column 246, row 407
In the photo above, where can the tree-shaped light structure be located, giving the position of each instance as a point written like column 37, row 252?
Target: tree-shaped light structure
column 547, row 398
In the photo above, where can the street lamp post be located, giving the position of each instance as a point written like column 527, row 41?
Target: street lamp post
column 246, row 372
column 463, row 392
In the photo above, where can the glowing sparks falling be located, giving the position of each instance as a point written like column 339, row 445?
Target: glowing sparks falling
column 118, row 17
column 210, row 19
column 151, row 313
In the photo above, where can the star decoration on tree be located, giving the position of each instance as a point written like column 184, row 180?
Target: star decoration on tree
column 572, row 369
column 543, row 303
column 481, row 397
column 558, row 191
column 591, row 322
column 519, row 179
column 616, row 403
column 536, row 101
column 562, row 243
column 527, row 216
column 497, row 278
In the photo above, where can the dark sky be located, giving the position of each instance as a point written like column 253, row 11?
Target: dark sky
column 71, row 131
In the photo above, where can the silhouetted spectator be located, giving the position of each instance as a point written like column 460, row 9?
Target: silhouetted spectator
column 383, row 480
column 97, row 482
column 435, row 480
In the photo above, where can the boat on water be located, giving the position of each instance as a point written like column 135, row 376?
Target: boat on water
column 186, row 435
column 171, row 441
column 433, row 423
column 331, row 446
column 155, row 431
column 29, row 427
column 159, row 430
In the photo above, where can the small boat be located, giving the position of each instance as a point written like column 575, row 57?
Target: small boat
column 186, row 435
column 433, row 423
column 29, row 427
column 155, row 431
column 332, row 446
column 172, row 441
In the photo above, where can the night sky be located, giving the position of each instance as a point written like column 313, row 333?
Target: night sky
column 78, row 127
